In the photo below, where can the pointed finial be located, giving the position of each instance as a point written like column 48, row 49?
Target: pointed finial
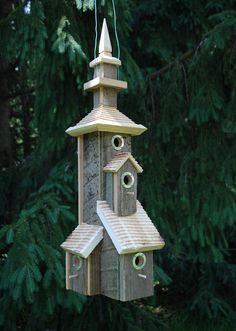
column 105, row 43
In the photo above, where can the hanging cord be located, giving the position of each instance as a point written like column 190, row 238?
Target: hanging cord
column 115, row 27
column 96, row 29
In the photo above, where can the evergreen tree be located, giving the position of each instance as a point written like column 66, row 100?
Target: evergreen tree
column 179, row 59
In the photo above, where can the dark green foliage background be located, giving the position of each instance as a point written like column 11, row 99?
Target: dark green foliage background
column 188, row 154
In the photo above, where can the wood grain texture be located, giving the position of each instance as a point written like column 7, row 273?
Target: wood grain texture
column 105, row 70
column 109, row 190
column 83, row 239
column 109, row 269
column 94, row 272
column 106, row 119
column 78, row 283
column 115, row 193
column 108, row 152
column 80, row 179
column 132, row 286
column 68, row 285
column 131, row 233
column 106, row 82
column 119, row 160
column 127, row 197
column 105, row 97
column 91, row 177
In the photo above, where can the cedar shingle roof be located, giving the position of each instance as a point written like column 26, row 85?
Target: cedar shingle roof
column 131, row 233
column 83, row 239
column 106, row 119
column 118, row 160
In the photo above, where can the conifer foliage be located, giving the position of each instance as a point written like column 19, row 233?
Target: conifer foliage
column 179, row 60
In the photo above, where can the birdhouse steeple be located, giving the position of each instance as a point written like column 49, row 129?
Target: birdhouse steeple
column 105, row 42
column 110, row 251
column 105, row 86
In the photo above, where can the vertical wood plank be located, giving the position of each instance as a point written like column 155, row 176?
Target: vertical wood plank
column 91, row 177
column 68, row 285
column 88, row 291
column 80, row 178
column 95, row 271
column 115, row 192
column 78, row 278
column 135, row 284
column 127, row 197
column 109, row 269
column 109, row 190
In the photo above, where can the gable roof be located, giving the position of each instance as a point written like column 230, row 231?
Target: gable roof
column 83, row 239
column 106, row 119
column 130, row 233
column 119, row 160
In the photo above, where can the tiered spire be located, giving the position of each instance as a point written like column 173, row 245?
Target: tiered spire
column 105, row 116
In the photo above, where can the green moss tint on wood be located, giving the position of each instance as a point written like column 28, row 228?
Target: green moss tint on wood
column 115, row 238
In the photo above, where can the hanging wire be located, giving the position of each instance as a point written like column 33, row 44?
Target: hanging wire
column 96, row 29
column 115, row 27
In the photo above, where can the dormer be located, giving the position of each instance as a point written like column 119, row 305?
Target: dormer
column 121, row 183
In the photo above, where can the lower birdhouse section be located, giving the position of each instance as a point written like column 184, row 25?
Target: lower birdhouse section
column 136, row 276
column 115, row 259
column 126, row 277
column 123, row 277
column 83, row 250
column 83, row 275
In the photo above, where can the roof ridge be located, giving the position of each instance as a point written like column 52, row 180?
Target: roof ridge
column 114, row 165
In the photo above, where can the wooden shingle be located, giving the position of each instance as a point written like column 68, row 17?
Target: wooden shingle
column 106, row 119
column 119, row 159
column 131, row 233
column 83, row 239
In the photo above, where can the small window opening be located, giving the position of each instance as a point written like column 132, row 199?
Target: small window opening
column 139, row 261
column 77, row 262
column 127, row 179
column 117, row 142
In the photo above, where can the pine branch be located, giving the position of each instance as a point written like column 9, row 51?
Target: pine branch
column 171, row 64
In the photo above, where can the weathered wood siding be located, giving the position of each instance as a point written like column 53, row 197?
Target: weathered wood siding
column 109, row 269
column 94, row 265
column 105, row 97
column 126, row 197
column 109, row 190
column 132, row 286
column 91, row 175
column 105, row 70
column 78, row 283
column 108, row 152
column 98, row 150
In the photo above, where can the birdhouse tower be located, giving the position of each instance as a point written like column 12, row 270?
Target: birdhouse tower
column 111, row 250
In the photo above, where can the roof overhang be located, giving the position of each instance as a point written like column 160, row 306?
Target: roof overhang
column 105, row 59
column 83, row 240
column 107, row 126
column 130, row 227
column 105, row 82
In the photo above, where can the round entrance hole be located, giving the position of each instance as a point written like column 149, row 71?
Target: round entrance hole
column 117, row 142
column 127, row 179
column 139, row 261
column 77, row 262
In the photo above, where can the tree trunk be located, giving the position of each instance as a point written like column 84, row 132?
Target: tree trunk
column 6, row 157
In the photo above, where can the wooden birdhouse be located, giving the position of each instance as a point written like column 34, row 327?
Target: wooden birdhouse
column 111, row 250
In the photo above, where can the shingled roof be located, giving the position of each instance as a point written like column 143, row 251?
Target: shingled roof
column 106, row 119
column 131, row 233
column 83, row 239
column 118, row 160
